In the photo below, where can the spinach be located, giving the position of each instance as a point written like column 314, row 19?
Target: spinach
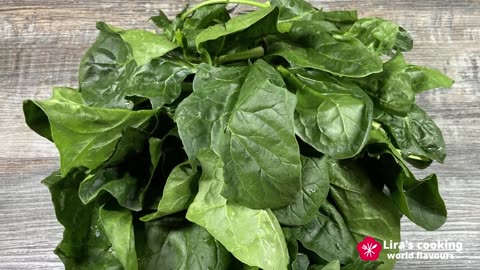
column 276, row 139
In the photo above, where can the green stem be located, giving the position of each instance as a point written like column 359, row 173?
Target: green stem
column 214, row 2
column 252, row 53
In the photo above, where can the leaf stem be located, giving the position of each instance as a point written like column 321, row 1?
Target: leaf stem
column 213, row 2
column 248, row 54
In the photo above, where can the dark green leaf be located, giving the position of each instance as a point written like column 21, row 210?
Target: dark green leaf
column 367, row 211
column 416, row 134
column 85, row 245
column 201, row 117
column 261, row 155
column 343, row 57
column 125, row 175
column 420, row 201
column 404, row 41
column 332, row 116
column 315, row 185
column 161, row 245
column 327, row 235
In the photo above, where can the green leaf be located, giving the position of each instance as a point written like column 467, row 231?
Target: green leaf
column 125, row 176
column 341, row 16
column 315, row 185
column 104, row 70
column 88, row 140
column 252, row 236
column 175, row 244
column 416, row 134
column 333, row 265
column 146, row 45
column 116, row 68
column 119, row 230
column 427, row 78
column 404, row 41
column 327, row 235
column 160, row 80
column 420, row 200
column 239, row 118
column 252, row 26
column 295, row 10
column 201, row 117
column 367, row 211
column 331, row 115
column 346, row 57
column 179, row 191
column 260, row 152
column 85, row 245
column 377, row 34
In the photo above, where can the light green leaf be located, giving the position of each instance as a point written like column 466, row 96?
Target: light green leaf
column 146, row 45
column 119, row 229
column 252, row 236
column 377, row 34
column 237, row 24
column 178, row 193
column 88, row 140
column 333, row 265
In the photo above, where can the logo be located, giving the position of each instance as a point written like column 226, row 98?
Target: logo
column 369, row 249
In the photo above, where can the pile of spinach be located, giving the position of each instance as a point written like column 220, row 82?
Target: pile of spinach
column 275, row 139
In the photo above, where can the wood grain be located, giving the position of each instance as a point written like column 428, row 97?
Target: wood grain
column 42, row 41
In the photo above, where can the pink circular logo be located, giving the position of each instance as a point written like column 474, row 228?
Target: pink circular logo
column 369, row 249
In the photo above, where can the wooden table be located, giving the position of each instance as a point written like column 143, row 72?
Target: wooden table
column 42, row 41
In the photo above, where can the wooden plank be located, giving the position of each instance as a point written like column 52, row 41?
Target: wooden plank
column 42, row 42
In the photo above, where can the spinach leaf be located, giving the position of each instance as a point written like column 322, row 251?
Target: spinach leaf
column 178, row 193
column 119, row 230
column 342, row 56
column 275, row 139
column 125, row 175
column 123, row 63
column 420, row 200
column 173, row 244
column 416, row 134
column 250, row 26
column 259, row 146
column 201, row 117
column 252, row 236
column 377, row 34
column 315, row 185
column 358, row 201
column 85, row 244
column 88, row 140
column 230, row 118
column 327, row 235
column 332, row 116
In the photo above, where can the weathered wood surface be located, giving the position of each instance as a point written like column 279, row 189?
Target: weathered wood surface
column 41, row 42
